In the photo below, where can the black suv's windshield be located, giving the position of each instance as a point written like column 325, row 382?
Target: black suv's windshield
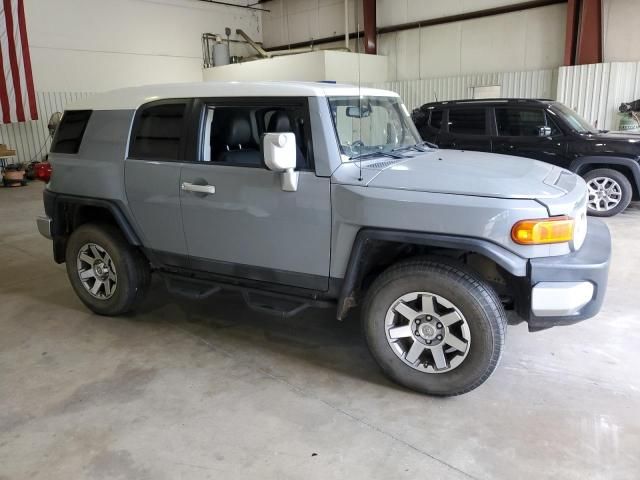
column 574, row 120
column 367, row 125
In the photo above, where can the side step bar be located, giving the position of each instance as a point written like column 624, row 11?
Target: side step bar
column 263, row 301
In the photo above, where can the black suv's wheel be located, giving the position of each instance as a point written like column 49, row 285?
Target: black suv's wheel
column 609, row 192
column 434, row 327
column 107, row 273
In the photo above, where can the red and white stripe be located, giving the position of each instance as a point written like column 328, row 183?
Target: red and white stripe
column 17, row 94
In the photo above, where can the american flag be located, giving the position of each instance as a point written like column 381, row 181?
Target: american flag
column 17, row 94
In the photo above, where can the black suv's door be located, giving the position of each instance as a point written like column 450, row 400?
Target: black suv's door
column 466, row 128
column 529, row 132
column 431, row 125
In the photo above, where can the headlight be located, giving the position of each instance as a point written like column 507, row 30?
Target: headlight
column 543, row 230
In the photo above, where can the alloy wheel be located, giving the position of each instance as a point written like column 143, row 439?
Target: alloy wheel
column 604, row 194
column 97, row 271
column 427, row 332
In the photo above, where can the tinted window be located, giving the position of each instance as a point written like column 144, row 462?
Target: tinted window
column 70, row 131
column 516, row 122
column 470, row 121
column 158, row 132
column 436, row 119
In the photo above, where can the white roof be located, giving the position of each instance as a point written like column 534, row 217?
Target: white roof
column 131, row 98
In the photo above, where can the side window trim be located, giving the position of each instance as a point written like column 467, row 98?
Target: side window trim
column 183, row 137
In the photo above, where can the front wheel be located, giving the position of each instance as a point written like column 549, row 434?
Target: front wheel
column 609, row 192
column 434, row 327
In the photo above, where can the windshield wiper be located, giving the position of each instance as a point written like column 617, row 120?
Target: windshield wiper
column 417, row 146
column 375, row 154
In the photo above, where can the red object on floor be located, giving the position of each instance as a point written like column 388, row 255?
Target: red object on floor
column 43, row 171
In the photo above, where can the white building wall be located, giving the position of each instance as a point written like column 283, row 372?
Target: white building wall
column 525, row 84
column 528, row 40
column 95, row 45
column 596, row 91
column 80, row 46
column 621, row 19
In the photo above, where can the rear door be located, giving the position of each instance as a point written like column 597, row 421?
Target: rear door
column 518, row 132
column 152, row 176
column 246, row 226
column 466, row 128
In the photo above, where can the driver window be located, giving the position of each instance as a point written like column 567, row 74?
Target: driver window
column 231, row 134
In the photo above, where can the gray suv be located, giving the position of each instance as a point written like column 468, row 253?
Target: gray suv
column 302, row 195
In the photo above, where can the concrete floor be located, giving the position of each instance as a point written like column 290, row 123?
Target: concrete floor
column 212, row 390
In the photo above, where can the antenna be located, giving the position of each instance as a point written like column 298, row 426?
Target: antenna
column 359, row 96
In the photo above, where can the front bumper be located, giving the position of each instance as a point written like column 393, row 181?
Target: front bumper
column 570, row 288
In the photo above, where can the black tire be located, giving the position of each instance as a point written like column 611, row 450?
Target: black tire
column 477, row 302
column 625, row 187
column 133, row 271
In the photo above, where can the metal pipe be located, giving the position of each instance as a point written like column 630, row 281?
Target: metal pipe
column 346, row 23
column 261, row 51
column 226, row 4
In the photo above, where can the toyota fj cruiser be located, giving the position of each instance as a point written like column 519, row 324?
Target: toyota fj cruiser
column 303, row 194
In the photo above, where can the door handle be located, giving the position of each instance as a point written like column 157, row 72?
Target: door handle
column 206, row 189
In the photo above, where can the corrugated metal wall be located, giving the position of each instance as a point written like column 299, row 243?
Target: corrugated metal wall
column 528, row 84
column 596, row 91
column 31, row 139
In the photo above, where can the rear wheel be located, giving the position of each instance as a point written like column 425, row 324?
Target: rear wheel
column 434, row 326
column 609, row 191
column 108, row 275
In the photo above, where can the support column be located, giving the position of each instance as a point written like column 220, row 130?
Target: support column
column 370, row 35
column 583, row 40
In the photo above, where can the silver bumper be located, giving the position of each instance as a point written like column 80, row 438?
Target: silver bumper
column 552, row 299
column 44, row 226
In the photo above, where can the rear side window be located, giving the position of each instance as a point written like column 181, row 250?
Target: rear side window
column 469, row 121
column 435, row 121
column 158, row 132
column 70, row 131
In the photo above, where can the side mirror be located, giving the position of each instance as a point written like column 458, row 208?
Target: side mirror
column 54, row 121
column 279, row 150
column 544, row 131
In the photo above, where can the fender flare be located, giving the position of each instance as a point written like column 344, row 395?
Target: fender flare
column 632, row 164
column 512, row 263
column 55, row 204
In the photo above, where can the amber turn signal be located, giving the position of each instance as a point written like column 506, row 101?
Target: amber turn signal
column 543, row 230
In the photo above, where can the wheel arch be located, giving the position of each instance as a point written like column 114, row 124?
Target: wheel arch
column 366, row 260
column 69, row 212
column 629, row 167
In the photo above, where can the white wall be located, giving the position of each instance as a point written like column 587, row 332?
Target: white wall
column 621, row 22
column 94, row 45
column 312, row 66
column 528, row 40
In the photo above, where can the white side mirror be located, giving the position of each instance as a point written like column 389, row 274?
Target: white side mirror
column 279, row 150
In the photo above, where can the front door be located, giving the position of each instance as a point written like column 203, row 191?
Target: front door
column 519, row 133
column 237, row 219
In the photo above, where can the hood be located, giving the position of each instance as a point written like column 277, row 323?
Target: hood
column 612, row 143
column 462, row 173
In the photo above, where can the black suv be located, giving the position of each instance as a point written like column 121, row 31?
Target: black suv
column 545, row 130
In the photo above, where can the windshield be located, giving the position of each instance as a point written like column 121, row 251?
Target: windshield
column 366, row 125
column 574, row 120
